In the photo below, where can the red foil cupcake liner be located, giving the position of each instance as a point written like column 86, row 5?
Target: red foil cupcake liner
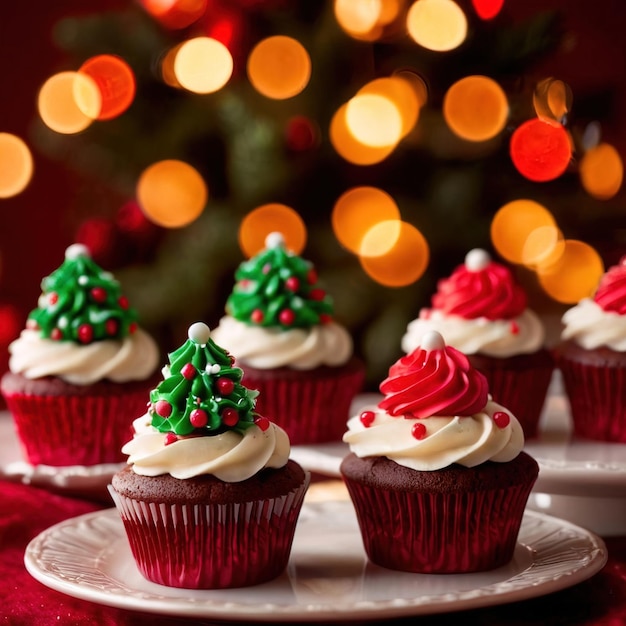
column 211, row 546
column 75, row 430
column 597, row 398
column 439, row 533
column 311, row 410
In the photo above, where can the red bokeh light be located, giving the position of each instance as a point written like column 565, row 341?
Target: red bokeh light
column 487, row 9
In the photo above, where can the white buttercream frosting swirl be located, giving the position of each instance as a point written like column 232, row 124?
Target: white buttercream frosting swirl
column 590, row 326
column 299, row 348
column 230, row 456
column 134, row 357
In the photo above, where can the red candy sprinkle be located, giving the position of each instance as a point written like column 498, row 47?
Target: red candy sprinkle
column 514, row 328
column 163, row 408
column 198, row 418
column 311, row 277
column 286, row 317
column 123, row 302
column 367, row 417
column 225, row 385
column 170, row 438
column 317, row 294
column 85, row 333
column 501, row 419
column 188, row 371
column 262, row 422
column 53, row 297
column 257, row 316
column 99, row 294
column 266, row 268
column 325, row 318
column 56, row 334
column 132, row 328
column 292, row 283
column 419, row 430
column 230, row 416
column 111, row 326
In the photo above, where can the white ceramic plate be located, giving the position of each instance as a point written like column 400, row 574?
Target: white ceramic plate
column 328, row 576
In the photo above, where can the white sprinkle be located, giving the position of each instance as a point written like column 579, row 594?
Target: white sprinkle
column 274, row 240
column 76, row 250
column 199, row 333
column 477, row 259
column 432, row 340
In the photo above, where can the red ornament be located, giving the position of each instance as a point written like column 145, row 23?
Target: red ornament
column 123, row 302
column 225, row 386
column 163, row 408
column 292, row 283
column 85, row 333
column 317, row 294
column 56, row 334
column 198, row 418
column 230, row 416
column 170, row 438
column 367, row 418
column 99, row 294
column 501, row 419
column 262, row 422
column 419, row 430
column 111, row 326
column 257, row 316
column 188, row 371
column 53, row 298
column 311, row 276
column 286, row 317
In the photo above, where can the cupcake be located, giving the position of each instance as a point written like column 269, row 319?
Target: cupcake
column 209, row 498
column 436, row 470
column 481, row 311
column 592, row 358
column 80, row 370
column 279, row 325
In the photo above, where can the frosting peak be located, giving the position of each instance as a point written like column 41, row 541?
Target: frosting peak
column 611, row 292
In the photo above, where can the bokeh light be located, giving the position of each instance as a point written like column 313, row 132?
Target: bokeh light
column 404, row 263
column 359, row 18
column 171, row 193
column 438, row 25
column 539, row 150
column 10, row 323
column 16, row 165
column 279, row 67
column 475, row 108
column 357, row 210
column 601, row 171
column 513, row 231
column 552, row 100
column 269, row 218
column 116, row 82
column 348, row 147
column 574, row 275
column 374, row 120
column 203, row 65
column 487, row 9
column 68, row 102
column 418, row 85
column 175, row 14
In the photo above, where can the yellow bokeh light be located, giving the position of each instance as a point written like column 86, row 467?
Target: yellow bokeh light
column 475, row 108
column 405, row 262
column 349, row 147
column 574, row 275
column 513, row 225
column 601, row 171
column 380, row 239
column 279, row 67
column 269, row 218
column 541, row 245
column 357, row 210
column 203, row 65
column 438, row 25
column 68, row 102
column 16, row 165
column 374, row 120
column 357, row 17
column 171, row 193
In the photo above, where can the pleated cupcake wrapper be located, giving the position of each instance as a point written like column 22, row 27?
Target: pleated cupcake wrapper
column 75, row 430
column 310, row 410
column 597, row 398
column 439, row 533
column 211, row 546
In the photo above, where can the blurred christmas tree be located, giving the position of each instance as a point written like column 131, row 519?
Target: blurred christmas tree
column 253, row 150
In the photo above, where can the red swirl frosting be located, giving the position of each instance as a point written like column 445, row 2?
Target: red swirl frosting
column 611, row 292
column 434, row 379
column 480, row 288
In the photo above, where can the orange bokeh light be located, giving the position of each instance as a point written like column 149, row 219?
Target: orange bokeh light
column 552, row 100
column 438, row 25
column 175, row 14
column 16, row 165
column 269, row 218
column 374, row 120
column 202, row 65
column 601, row 171
column 116, row 82
column 539, row 150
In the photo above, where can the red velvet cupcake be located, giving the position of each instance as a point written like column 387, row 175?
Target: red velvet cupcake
column 80, row 370
column 482, row 311
column 210, row 498
column 279, row 326
column 436, row 471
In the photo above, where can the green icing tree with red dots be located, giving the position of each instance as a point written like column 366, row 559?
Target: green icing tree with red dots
column 81, row 302
column 202, row 393
column 278, row 288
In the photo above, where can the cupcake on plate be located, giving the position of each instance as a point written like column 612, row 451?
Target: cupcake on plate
column 279, row 324
column 80, row 370
column 209, row 498
column 592, row 358
column 436, row 470
column 483, row 312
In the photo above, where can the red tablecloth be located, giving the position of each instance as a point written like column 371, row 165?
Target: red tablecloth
column 25, row 511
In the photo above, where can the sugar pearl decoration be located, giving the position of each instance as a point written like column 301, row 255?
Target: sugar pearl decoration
column 274, row 240
column 432, row 340
column 76, row 250
column 199, row 333
column 477, row 259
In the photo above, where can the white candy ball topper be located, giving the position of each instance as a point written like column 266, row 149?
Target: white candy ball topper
column 432, row 340
column 199, row 333
column 477, row 259
column 77, row 250
column 274, row 240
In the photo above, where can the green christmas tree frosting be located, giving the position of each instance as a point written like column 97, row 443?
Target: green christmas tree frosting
column 202, row 393
column 81, row 302
column 278, row 288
